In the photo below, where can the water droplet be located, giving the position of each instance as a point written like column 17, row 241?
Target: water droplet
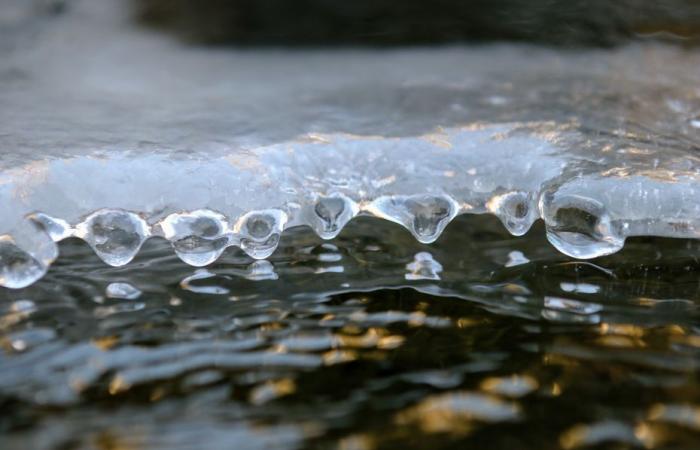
column 260, row 232
column 515, row 210
column 122, row 290
column 331, row 213
column 425, row 216
column 198, row 237
column 58, row 229
column 516, row 258
column 18, row 269
column 572, row 306
column 423, row 267
column 580, row 227
column 580, row 288
column 115, row 235
column 202, row 274
column 260, row 270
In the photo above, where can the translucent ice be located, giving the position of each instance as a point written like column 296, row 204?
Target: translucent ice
column 114, row 136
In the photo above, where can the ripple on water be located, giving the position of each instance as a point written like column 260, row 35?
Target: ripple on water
column 416, row 353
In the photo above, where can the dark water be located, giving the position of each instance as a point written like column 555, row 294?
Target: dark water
column 478, row 341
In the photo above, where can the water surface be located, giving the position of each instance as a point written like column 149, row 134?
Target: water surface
column 368, row 341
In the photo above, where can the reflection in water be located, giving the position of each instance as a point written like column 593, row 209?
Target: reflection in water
column 466, row 342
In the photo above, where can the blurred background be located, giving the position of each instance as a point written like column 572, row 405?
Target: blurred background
column 390, row 22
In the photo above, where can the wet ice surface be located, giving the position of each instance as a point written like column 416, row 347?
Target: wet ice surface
column 371, row 341
column 115, row 135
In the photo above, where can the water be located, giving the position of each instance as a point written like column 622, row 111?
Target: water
column 371, row 341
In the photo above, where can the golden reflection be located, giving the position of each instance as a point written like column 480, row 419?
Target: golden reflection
column 456, row 412
column 512, row 386
column 369, row 339
column 621, row 335
column 692, row 341
column 574, row 437
column 15, row 316
column 417, row 319
column 118, row 385
column 422, row 306
column 106, row 440
column 554, row 359
column 357, row 442
column 466, row 322
column 620, row 342
column 157, row 393
column 675, row 330
column 515, row 289
column 338, row 357
column 272, row 390
column 556, row 390
column 683, row 415
column 105, row 342
column 390, row 342
column 649, row 435
column 621, row 329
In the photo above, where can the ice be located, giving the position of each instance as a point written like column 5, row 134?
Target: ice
column 115, row 135
column 198, row 237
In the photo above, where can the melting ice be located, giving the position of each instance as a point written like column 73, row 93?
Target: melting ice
column 114, row 136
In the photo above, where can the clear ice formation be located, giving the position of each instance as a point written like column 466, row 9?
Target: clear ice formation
column 114, row 135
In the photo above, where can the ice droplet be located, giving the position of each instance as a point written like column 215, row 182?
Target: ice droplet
column 58, row 229
column 115, row 235
column 331, row 213
column 516, row 210
column 580, row 227
column 198, row 237
column 424, row 215
column 25, row 256
column 18, row 268
column 259, row 232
